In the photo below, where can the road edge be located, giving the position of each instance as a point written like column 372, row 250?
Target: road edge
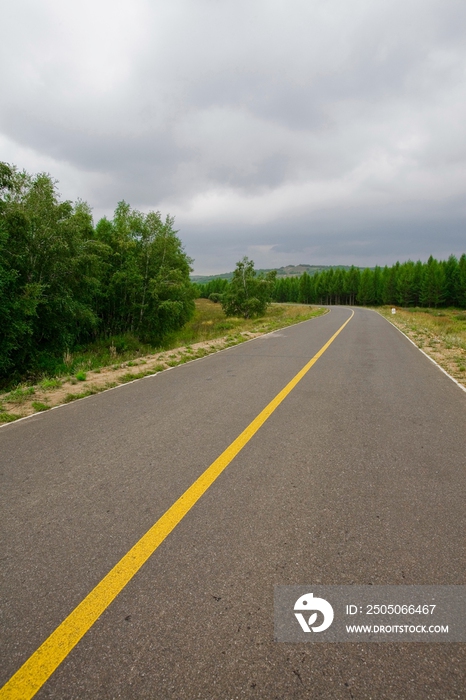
column 149, row 376
column 421, row 350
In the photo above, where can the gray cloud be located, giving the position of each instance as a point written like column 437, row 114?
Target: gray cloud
column 329, row 129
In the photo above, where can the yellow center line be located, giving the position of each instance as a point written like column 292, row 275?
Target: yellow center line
column 39, row 667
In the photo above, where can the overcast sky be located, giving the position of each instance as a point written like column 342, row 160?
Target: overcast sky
column 305, row 131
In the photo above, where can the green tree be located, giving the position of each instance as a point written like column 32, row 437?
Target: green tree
column 352, row 284
column 280, row 291
column 248, row 294
column 461, row 282
column 146, row 287
column 433, row 287
column 306, row 289
column 366, row 291
column 405, row 284
column 43, row 242
column 338, row 286
column 62, row 283
column 215, row 286
column 389, row 278
column 451, row 272
column 377, row 285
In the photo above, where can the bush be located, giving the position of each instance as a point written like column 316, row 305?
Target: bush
column 248, row 294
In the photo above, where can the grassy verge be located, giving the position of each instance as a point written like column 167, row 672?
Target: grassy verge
column 440, row 333
column 98, row 367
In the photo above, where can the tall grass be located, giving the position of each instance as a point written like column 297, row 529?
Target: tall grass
column 445, row 325
column 209, row 322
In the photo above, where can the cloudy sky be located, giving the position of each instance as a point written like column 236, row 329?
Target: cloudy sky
column 305, row 131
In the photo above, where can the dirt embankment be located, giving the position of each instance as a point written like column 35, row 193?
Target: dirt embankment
column 209, row 320
column 25, row 401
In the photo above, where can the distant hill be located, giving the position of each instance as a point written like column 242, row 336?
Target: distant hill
column 287, row 271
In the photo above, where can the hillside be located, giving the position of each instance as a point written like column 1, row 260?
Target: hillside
column 286, row 271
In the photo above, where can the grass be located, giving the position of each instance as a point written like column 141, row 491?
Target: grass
column 209, row 323
column 82, row 395
column 447, row 326
column 50, row 383
column 19, row 395
column 130, row 377
column 209, row 326
column 39, row 406
column 8, row 417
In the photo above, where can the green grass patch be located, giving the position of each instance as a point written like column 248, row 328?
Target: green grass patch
column 129, row 377
column 39, row 406
column 8, row 417
column 47, row 383
column 82, row 395
column 19, row 395
column 81, row 376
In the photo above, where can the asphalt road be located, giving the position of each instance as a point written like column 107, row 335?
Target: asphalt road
column 357, row 477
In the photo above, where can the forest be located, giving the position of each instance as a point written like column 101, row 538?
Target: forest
column 65, row 282
column 409, row 284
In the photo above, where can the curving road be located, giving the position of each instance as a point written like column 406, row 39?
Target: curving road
column 358, row 476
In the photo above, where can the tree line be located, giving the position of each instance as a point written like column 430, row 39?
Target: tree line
column 431, row 284
column 65, row 282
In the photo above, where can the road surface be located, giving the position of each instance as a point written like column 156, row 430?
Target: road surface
column 357, row 477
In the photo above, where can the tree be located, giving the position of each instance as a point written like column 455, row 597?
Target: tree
column 352, row 284
column 338, row 286
column 451, row 271
column 405, row 284
column 215, row 286
column 461, row 282
column 248, row 294
column 377, row 277
column 433, row 288
column 306, row 289
column 389, row 277
column 43, row 241
column 280, row 292
column 62, row 283
column 366, row 292
column 146, row 287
